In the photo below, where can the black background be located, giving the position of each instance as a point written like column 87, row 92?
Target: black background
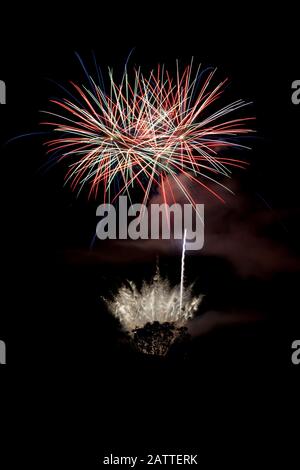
column 77, row 392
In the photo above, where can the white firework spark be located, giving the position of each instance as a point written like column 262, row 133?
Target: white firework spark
column 156, row 301
column 155, row 316
column 182, row 268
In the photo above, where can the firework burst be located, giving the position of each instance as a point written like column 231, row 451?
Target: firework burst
column 146, row 132
column 155, row 315
column 156, row 301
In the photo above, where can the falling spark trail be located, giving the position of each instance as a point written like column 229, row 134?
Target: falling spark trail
column 182, row 268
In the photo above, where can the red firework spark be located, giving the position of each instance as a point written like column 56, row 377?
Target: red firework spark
column 146, row 133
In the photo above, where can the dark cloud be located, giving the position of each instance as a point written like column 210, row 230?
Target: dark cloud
column 212, row 319
column 243, row 231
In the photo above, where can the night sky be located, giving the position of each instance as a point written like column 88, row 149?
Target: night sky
column 69, row 365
